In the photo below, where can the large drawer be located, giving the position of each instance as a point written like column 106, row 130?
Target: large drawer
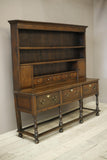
column 90, row 89
column 48, row 100
column 71, row 94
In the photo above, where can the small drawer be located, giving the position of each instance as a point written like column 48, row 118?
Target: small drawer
column 90, row 89
column 47, row 79
column 38, row 81
column 73, row 75
column 48, row 100
column 65, row 76
column 57, row 77
column 71, row 94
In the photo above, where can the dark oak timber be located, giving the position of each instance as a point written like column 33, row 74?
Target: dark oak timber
column 49, row 71
column 18, row 118
column 97, row 107
column 35, row 130
column 81, row 110
column 60, row 120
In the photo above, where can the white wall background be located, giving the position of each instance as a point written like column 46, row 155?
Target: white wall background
column 100, row 46
column 61, row 11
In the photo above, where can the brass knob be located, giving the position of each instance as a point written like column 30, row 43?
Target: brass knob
column 90, row 85
column 48, row 96
column 71, row 90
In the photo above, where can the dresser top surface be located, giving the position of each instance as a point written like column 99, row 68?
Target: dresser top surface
column 56, row 87
column 43, row 23
column 36, row 25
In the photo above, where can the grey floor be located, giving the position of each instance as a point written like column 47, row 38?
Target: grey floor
column 87, row 141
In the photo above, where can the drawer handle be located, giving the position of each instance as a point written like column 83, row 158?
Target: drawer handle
column 42, row 101
column 54, row 98
column 90, row 85
column 48, row 79
column 48, row 96
column 71, row 90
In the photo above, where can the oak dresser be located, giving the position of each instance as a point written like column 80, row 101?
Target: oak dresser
column 49, row 70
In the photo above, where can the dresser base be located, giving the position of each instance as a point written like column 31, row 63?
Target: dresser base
column 42, row 99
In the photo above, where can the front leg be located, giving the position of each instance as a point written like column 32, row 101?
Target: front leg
column 60, row 121
column 35, row 130
column 81, row 110
column 18, row 118
column 19, row 123
column 97, row 105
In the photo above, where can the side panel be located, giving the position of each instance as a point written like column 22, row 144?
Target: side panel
column 15, row 56
column 24, row 103
column 90, row 89
column 81, row 69
column 26, row 76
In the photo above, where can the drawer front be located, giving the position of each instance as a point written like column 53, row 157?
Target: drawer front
column 65, row 76
column 90, row 89
column 48, row 79
column 71, row 94
column 55, row 78
column 48, row 100
column 38, row 81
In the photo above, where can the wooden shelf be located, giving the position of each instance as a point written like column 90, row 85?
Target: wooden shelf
column 60, row 47
column 49, row 62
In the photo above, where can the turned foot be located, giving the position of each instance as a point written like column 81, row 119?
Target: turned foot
column 20, row 135
column 36, row 141
column 61, row 130
column 81, row 121
column 97, row 114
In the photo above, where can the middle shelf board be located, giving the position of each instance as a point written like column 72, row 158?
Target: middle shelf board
column 50, row 62
column 57, row 47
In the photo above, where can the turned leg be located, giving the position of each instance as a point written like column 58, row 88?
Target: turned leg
column 35, row 130
column 81, row 111
column 60, row 121
column 19, row 122
column 18, row 119
column 97, row 105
